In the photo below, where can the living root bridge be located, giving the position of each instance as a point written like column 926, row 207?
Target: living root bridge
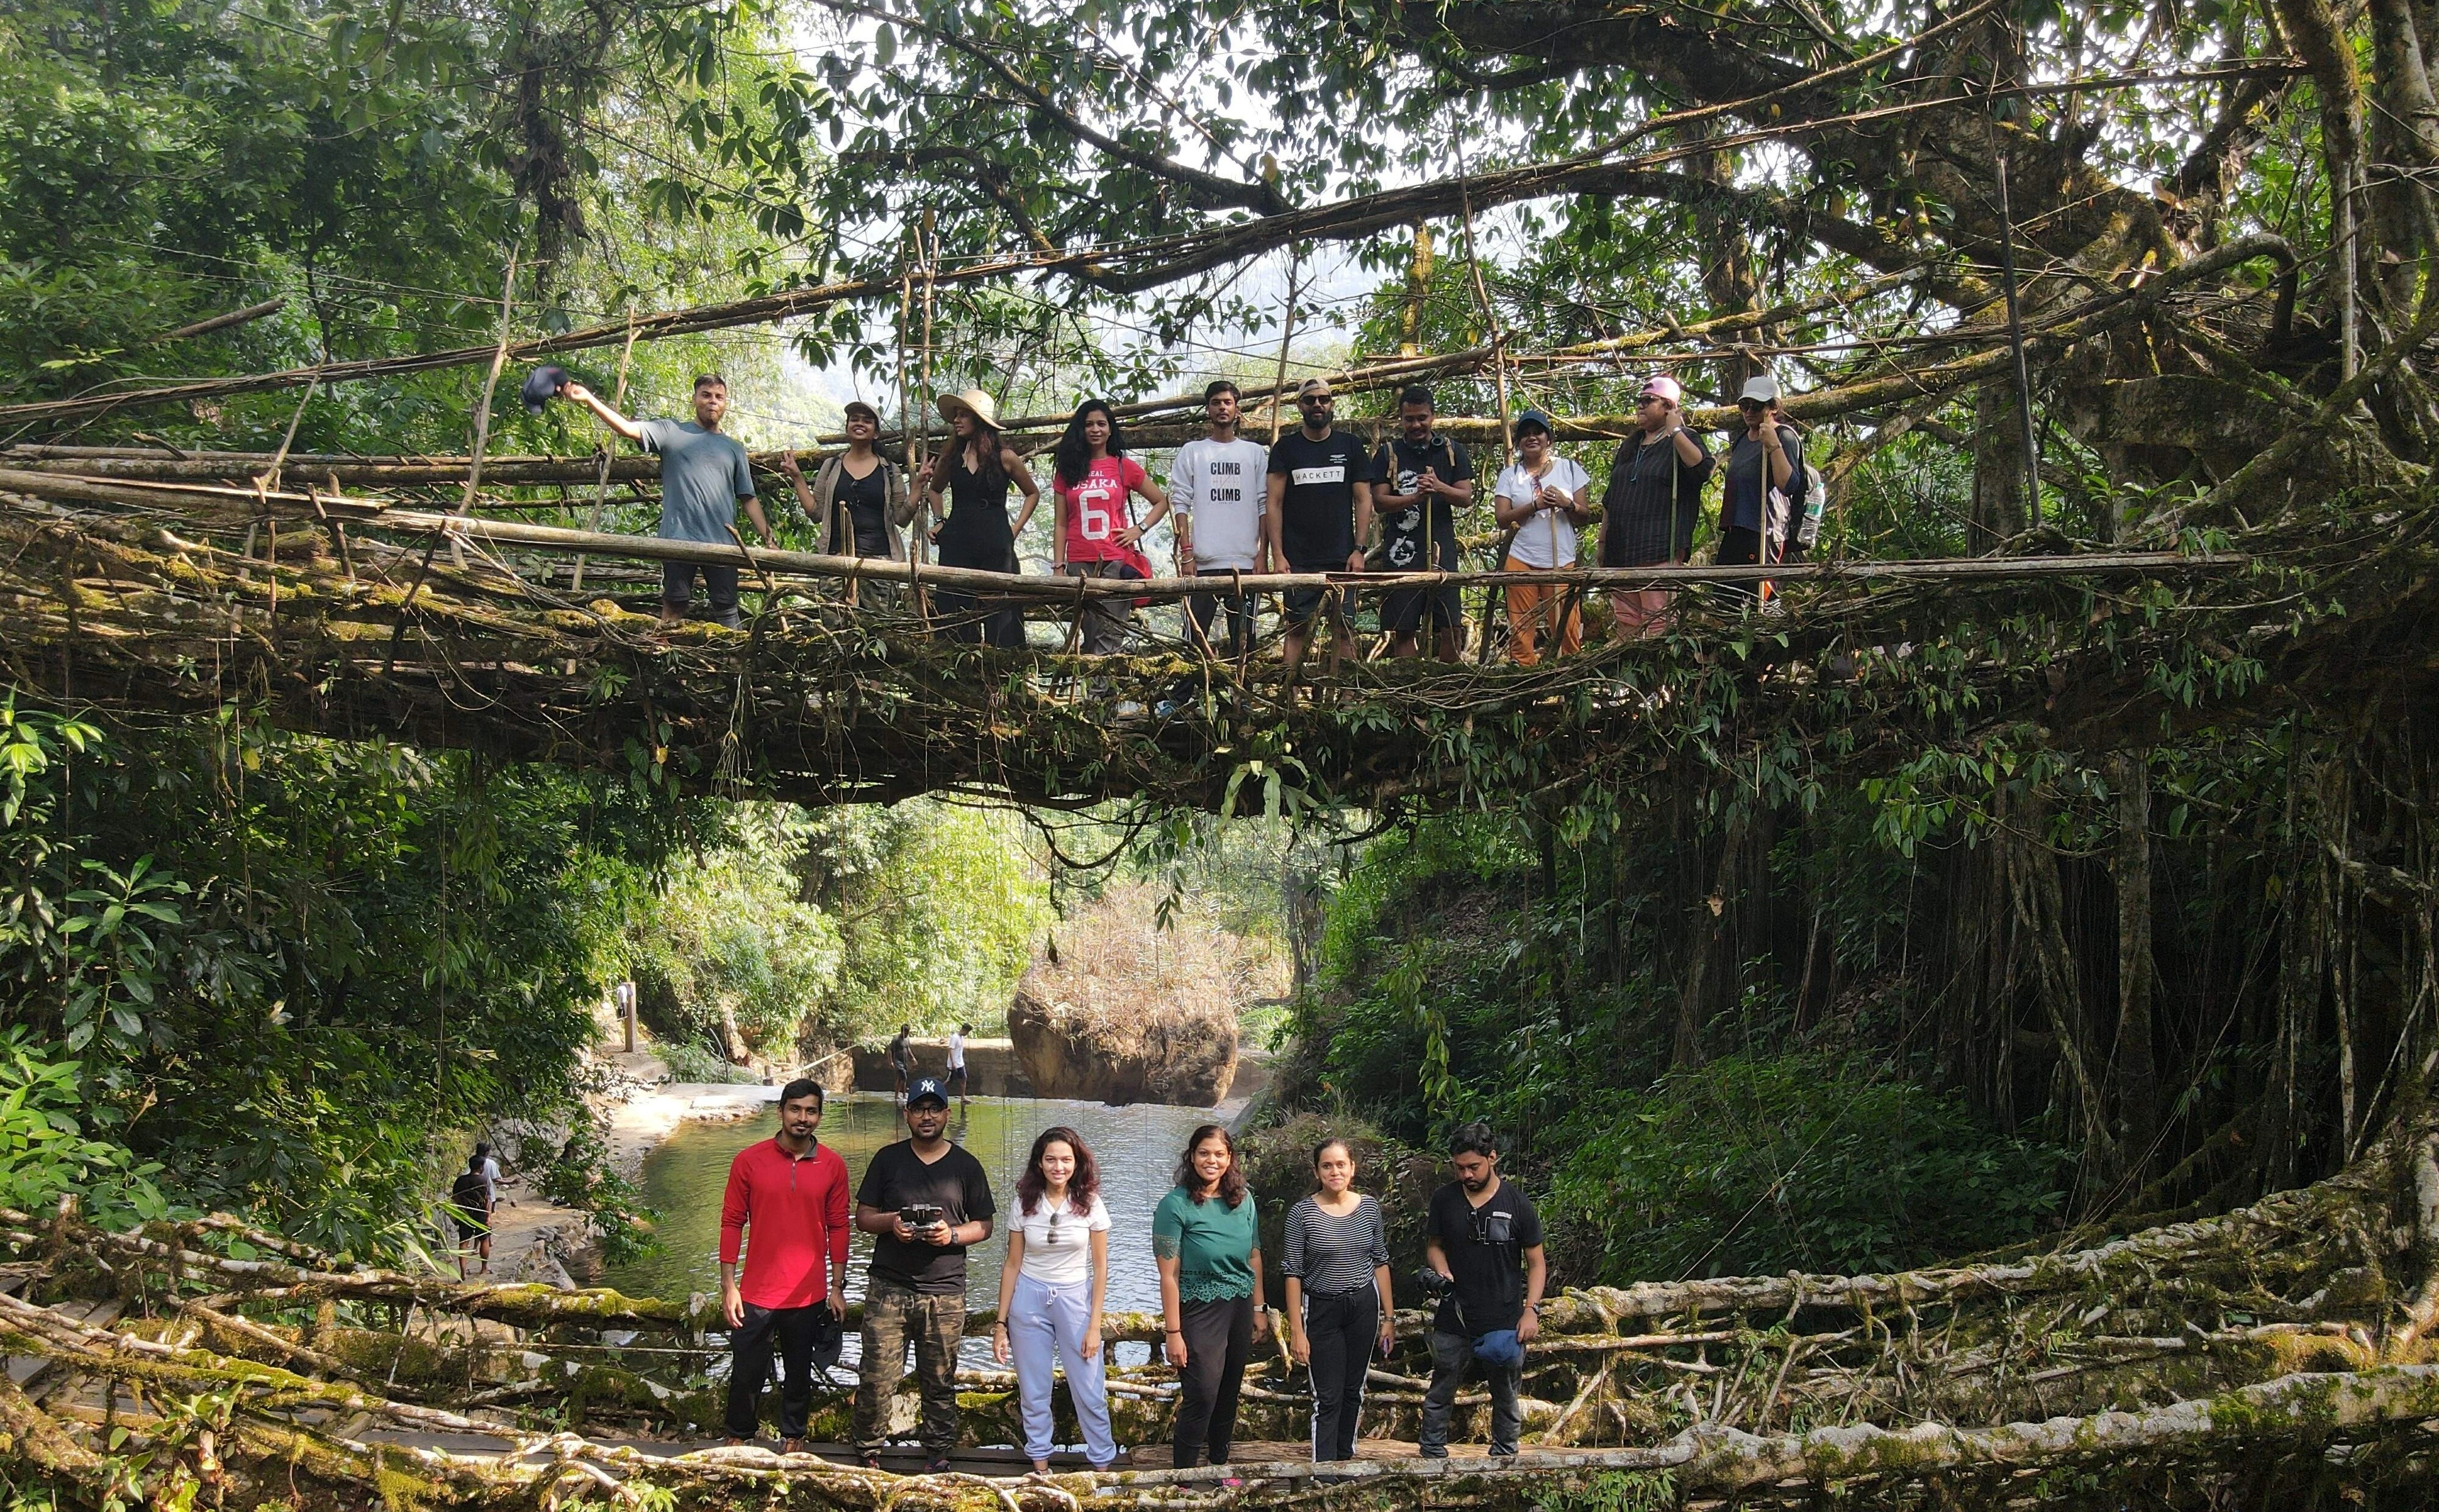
column 2272, row 1352
column 337, row 614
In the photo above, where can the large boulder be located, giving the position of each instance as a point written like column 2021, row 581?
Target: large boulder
column 1118, row 1010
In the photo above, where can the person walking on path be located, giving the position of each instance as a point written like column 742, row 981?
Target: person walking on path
column 978, row 471
column 1336, row 1268
column 1484, row 1238
column 1217, row 486
column 705, row 476
column 1544, row 498
column 958, row 1080
column 470, row 1212
column 1206, row 1239
column 1760, row 469
column 1095, row 533
column 858, row 500
column 1052, row 1287
column 1421, row 480
column 786, row 1207
column 1654, row 496
column 925, row 1201
column 1317, row 510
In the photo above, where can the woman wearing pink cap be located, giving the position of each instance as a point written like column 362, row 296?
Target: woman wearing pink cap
column 1655, row 493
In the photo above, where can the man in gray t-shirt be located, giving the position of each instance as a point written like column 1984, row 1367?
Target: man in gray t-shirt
column 704, row 477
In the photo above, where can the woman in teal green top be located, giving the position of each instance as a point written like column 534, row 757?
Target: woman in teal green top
column 1206, row 1241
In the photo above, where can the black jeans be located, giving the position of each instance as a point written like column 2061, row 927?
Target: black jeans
column 1203, row 610
column 750, row 1348
column 677, row 588
column 1219, row 1338
column 1340, row 1329
column 1451, row 1354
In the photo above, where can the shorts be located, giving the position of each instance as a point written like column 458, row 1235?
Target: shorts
column 1404, row 610
column 472, row 1231
column 1300, row 607
column 956, row 1075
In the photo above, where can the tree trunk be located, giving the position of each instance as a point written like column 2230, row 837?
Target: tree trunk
column 1997, row 469
column 2138, row 1095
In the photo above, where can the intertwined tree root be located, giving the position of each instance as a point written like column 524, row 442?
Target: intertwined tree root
column 2281, row 1346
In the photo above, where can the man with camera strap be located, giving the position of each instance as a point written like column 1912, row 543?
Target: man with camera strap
column 1482, row 1260
column 924, row 1201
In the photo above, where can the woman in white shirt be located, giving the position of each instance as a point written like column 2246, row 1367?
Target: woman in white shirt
column 1051, row 1288
column 1544, row 498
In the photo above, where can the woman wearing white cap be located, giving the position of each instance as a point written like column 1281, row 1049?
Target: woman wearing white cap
column 977, row 472
column 1759, row 468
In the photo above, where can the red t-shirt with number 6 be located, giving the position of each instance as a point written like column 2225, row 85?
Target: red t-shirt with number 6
column 1098, row 507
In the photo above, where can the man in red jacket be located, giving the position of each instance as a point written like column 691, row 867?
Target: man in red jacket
column 792, row 1190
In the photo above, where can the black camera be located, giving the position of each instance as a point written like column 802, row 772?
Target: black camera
column 921, row 1216
column 1434, row 1286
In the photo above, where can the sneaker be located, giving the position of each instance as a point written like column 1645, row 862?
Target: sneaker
column 1165, row 709
column 791, row 1446
column 869, row 1460
column 936, row 1465
column 1432, row 1451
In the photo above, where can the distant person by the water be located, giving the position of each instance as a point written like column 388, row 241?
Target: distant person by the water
column 705, row 476
column 924, row 1201
column 1052, row 1287
column 901, row 1058
column 786, row 1206
column 959, row 1082
column 1206, row 1240
column 1485, row 1238
column 470, row 1210
column 1336, row 1267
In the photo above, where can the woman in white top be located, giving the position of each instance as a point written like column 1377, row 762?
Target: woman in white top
column 1051, row 1288
column 1544, row 498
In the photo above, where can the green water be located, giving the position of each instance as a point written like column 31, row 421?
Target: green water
column 1136, row 1147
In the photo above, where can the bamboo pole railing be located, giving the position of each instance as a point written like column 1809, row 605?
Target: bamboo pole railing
column 231, row 506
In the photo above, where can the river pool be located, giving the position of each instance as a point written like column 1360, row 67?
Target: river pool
column 1137, row 1147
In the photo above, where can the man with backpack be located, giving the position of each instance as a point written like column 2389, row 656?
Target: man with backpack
column 1483, row 1242
column 1423, row 478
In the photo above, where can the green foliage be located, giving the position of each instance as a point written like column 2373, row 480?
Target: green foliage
column 940, row 908
column 1763, row 1165
column 729, row 942
column 582, row 1178
column 45, row 1153
column 289, row 967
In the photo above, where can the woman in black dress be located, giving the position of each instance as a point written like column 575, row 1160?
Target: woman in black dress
column 978, row 471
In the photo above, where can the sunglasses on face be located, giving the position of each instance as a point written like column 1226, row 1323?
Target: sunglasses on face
column 1752, row 406
column 1315, row 401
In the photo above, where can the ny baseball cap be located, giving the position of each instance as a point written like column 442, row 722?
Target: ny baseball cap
column 927, row 1087
column 1536, row 418
column 1664, row 386
column 542, row 386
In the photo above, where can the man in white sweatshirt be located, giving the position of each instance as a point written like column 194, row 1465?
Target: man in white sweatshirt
column 1216, row 489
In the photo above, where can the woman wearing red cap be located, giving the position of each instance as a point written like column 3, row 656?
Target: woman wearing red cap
column 1655, row 493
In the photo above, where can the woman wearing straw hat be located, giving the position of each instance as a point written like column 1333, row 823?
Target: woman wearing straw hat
column 977, row 472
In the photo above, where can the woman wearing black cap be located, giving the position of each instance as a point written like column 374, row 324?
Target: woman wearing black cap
column 977, row 472
column 857, row 500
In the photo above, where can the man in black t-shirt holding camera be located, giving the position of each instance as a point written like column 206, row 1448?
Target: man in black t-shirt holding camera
column 1484, row 1236
column 924, row 1201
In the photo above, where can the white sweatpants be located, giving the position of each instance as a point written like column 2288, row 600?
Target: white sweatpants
column 1042, row 1318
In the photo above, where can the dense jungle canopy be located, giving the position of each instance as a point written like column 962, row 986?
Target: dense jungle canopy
column 1931, row 917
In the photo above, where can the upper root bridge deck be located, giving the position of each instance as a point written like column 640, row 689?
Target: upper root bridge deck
column 359, row 615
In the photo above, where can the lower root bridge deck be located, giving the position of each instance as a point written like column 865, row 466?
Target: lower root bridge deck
column 2275, row 1351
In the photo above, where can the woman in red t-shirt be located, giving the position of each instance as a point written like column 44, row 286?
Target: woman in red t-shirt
column 1092, row 490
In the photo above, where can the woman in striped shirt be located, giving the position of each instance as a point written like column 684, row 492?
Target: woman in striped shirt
column 1338, row 1295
